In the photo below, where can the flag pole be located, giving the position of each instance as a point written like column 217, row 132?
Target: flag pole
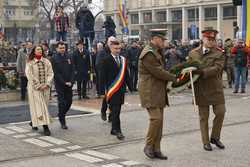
column 193, row 93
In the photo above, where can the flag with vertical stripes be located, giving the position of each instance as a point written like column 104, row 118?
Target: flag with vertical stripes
column 123, row 15
column 246, row 21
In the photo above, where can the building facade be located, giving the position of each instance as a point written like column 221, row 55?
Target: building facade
column 184, row 19
column 19, row 19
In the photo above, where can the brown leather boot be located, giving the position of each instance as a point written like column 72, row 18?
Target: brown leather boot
column 149, row 152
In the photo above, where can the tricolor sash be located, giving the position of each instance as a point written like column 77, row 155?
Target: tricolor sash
column 117, row 83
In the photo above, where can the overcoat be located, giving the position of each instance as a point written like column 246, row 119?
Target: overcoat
column 38, row 100
column 153, row 78
column 209, row 87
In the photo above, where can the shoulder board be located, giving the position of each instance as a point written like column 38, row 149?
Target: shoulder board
column 146, row 50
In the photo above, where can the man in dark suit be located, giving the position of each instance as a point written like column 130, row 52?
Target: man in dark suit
column 99, row 63
column 81, row 59
column 115, row 77
column 64, row 80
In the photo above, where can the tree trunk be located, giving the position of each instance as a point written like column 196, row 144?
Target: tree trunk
column 52, row 29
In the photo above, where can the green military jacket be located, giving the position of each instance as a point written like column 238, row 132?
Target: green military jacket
column 153, row 78
column 209, row 87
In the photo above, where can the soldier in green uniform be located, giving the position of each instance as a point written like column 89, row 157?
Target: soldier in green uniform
column 209, row 88
column 152, row 90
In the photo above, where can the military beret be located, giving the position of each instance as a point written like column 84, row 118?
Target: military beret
column 158, row 32
column 209, row 33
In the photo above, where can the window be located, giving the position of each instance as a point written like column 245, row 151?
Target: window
column 147, row 17
column 135, row 32
column 192, row 16
column 229, row 12
column 27, row 12
column 177, row 15
column 177, row 32
column 211, row 13
column 9, row 11
column 134, row 18
column 161, row 16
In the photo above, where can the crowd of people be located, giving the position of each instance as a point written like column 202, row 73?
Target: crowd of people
column 114, row 66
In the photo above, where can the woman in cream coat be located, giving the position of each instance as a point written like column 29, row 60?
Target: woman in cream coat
column 40, row 74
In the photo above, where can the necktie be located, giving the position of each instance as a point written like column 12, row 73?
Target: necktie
column 117, row 60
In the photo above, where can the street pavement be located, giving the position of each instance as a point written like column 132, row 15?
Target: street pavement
column 87, row 142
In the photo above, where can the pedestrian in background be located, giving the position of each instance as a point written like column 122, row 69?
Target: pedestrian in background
column 240, row 53
column 40, row 75
column 81, row 61
column 133, row 54
column 61, row 23
column 64, row 79
column 229, row 62
column 99, row 48
column 21, row 64
column 172, row 57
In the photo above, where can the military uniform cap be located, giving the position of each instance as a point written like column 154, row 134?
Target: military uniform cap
column 209, row 33
column 158, row 32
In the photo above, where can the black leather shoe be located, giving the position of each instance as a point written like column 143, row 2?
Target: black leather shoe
column 46, row 130
column 113, row 132
column 243, row 91
column 218, row 143
column 161, row 156
column 33, row 128
column 64, row 126
column 148, row 151
column 110, row 118
column 120, row 136
column 235, row 91
column 103, row 116
column 208, row 147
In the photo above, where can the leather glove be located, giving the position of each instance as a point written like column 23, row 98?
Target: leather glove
column 198, row 72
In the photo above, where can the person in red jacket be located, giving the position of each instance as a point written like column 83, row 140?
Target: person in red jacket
column 240, row 52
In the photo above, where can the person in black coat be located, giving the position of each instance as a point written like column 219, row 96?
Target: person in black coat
column 112, row 65
column 81, row 59
column 85, row 22
column 64, row 79
column 110, row 27
column 133, row 56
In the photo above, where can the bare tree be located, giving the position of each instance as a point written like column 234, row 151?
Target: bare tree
column 48, row 7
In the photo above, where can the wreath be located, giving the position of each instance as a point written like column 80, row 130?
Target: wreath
column 12, row 79
column 8, row 79
column 183, row 76
column 3, row 79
